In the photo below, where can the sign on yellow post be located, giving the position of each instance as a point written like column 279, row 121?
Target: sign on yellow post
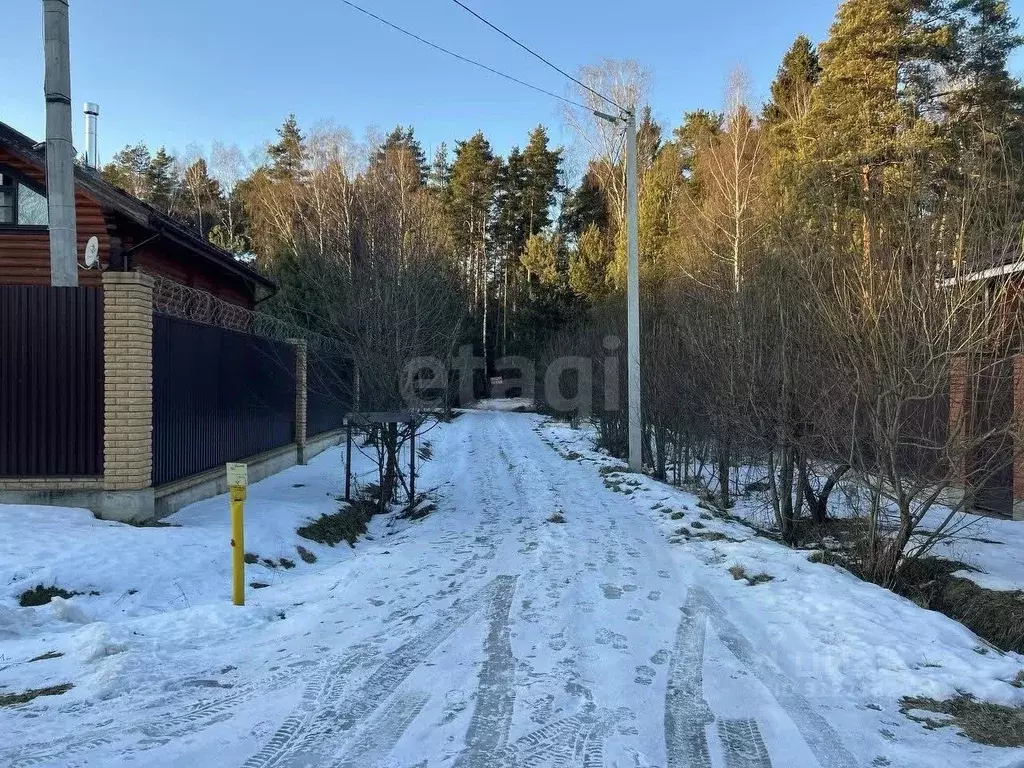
column 238, row 481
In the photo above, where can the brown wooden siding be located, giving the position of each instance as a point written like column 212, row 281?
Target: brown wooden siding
column 25, row 255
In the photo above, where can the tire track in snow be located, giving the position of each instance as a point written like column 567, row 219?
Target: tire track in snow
column 196, row 717
column 744, row 747
column 823, row 741
column 496, row 691
column 686, row 712
column 576, row 741
column 307, row 736
column 380, row 737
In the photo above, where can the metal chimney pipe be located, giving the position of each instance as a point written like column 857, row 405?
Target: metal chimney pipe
column 60, row 153
column 92, row 156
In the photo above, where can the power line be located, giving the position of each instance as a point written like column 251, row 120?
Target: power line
column 475, row 63
column 532, row 52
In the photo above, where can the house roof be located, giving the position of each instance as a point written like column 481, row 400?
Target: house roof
column 116, row 199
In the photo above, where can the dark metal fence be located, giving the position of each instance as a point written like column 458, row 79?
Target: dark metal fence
column 328, row 391
column 218, row 396
column 51, row 381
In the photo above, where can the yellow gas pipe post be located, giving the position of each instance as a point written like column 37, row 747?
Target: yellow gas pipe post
column 238, row 544
column 237, row 481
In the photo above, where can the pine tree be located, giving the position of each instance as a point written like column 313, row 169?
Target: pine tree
column 288, row 154
column 791, row 89
column 589, row 264
column 470, row 194
column 468, row 201
column 648, row 140
column 984, row 96
column 509, row 227
column 161, row 181
column 540, row 259
column 585, row 207
column 879, row 71
column 698, row 132
column 542, row 171
column 129, row 170
column 440, row 169
column 402, row 150
column 202, row 199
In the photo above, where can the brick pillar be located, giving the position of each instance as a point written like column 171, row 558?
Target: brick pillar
column 301, row 352
column 958, row 418
column 128, row 381
column 1018, row 437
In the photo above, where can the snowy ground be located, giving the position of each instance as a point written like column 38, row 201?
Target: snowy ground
column 990, row 546
column 483, row 635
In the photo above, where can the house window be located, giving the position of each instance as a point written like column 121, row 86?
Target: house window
column 20, row 204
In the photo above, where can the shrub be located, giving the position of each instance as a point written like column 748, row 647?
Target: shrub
column 40, row 595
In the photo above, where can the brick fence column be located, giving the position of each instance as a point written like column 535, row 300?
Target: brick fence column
column 301, row 356
column 958, row 418
column 128, row 381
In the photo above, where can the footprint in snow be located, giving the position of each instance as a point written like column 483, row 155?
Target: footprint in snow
column 635, row 614
column 607, row 637
column 644, row 675
column 654, row 595
column 661, row 657
column 611, row 592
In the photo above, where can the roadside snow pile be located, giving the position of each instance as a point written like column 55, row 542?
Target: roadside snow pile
column 817, row 622
column 108, row 603
column 114, row 571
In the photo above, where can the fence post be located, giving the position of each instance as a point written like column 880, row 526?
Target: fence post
column 301, row 398
column 128, row 381
column 1018, row 437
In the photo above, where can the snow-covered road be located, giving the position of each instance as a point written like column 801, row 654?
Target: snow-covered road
column 486, row 636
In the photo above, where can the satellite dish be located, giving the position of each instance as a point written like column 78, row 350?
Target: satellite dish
column 92, row 252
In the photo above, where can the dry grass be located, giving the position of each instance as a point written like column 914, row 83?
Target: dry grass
column 713, row 536
column 47, row 655
column 13, row 699
column 347, row 524
column 305, row 554
column 985, row 723
column 739, row 572
column 995, row 616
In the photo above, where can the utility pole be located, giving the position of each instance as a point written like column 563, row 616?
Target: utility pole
column 633, row 299
column 628, row 120
column 60, row 153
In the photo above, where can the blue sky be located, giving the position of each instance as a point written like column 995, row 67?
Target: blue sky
column 195, row 71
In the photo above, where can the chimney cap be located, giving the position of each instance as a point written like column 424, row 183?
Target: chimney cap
column 91, row 108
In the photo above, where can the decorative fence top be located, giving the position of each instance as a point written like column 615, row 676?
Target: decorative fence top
column 187, row 303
